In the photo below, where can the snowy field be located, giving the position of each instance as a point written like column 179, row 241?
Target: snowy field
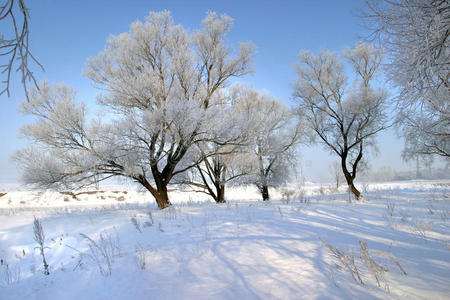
column 307, row 243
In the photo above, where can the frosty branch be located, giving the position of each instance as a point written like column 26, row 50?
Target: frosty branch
column 16, row 47
column 415, row 37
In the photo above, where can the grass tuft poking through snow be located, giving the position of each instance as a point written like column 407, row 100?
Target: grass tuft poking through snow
column 103, row 251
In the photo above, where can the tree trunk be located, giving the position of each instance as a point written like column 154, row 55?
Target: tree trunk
column 161, row 181
column 349, row 178
column 265, row 193
column 162, row 198
column 354, row 190
column 160, row 193
column 263, row 188
column 220, row 195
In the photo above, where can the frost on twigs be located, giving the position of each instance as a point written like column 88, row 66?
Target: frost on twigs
column 415, row 38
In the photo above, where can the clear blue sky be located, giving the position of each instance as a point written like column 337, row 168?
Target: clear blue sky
column 65, row 33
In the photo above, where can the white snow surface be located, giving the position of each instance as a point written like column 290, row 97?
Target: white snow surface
column 244, row 249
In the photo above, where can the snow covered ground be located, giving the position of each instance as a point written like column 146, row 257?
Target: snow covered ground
column 304, row 244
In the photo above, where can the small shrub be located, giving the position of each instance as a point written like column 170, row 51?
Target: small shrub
column 392, row 259
column 376, row 269
column 104, row 251
column 345, row 261
column 39, row 237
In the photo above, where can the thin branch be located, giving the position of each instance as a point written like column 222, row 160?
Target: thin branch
column 17, row 48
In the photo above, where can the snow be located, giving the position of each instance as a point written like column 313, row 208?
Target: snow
column 244, row 249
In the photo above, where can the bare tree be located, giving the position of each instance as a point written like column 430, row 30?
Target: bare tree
column 159, row 82
column 345, row 123
column 16, row 47
column 415, row 37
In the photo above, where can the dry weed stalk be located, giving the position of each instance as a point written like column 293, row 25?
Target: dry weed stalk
column 39, row 237
column 103, row 251
column 376, row 269
column 346, row 261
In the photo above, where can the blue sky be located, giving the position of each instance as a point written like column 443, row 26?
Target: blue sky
column 65, row 33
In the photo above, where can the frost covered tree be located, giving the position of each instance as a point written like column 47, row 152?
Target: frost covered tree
column 264, row 153
column 274, row 135
column 346, row 122
column 222, row 163
column 159, row 82
column 415, row 37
